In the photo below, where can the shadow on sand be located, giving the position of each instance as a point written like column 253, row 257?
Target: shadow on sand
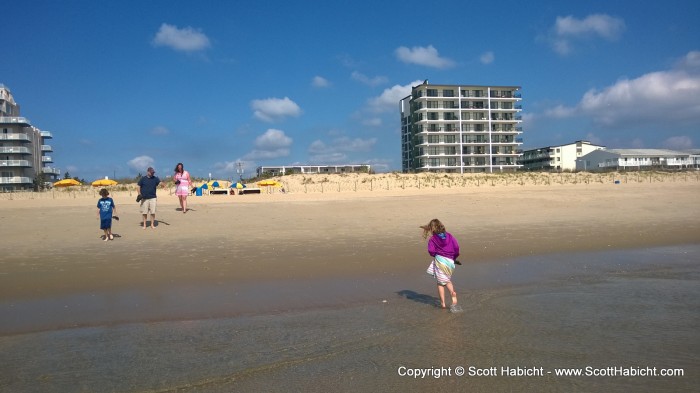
column 419, row 297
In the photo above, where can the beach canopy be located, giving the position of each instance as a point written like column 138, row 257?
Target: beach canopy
column 238, row 185
column 269, row 183
column 104, row 182
column 211, row 184
column 67, row 183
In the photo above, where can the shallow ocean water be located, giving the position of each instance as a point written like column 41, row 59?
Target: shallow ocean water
column 630, row 309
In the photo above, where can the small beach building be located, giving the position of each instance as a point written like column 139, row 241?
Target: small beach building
column 24, row 153
column 556, row 158
column 635, row 159
column 289, row 169
column 460, row 128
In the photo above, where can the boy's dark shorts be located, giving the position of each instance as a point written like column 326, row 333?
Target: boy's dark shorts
column 106, row 224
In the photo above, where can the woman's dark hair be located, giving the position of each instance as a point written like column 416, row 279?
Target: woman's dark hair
column 179, row 164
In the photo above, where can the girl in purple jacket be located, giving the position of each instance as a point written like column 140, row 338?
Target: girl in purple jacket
column 444, row 249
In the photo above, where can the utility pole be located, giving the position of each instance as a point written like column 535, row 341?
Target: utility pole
column 239, row 170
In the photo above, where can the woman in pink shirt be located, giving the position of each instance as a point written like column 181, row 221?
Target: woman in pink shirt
column 182, row 185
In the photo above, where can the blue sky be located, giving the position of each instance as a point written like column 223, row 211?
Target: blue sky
column 127, row 84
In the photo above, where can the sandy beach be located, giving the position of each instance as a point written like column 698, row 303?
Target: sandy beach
column 53, row 246
column 346, row 245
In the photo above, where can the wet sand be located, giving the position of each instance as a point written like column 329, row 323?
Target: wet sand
column 273, row 262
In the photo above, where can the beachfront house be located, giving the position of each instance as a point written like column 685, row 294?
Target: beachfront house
column 281, row 170
column 636, row 159
column 556, row 158
column 460, row 128
column 24, row 153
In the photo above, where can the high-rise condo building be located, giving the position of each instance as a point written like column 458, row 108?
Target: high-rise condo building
column 24, row 154
column 460, row 128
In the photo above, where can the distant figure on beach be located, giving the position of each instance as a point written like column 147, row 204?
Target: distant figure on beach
column 444, row 249
column 147, row 191
column 105, row 209
column 182, row 185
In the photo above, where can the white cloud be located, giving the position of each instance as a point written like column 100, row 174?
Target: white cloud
column 185, row 40
column 140, row 163
column 667, row 99
column 273, row 139
column 337, row 150
column 487, row 58
column 377, row 80
column 678, row 143
column 560, row 112
column 160, row 131
column 568, row 29
column 379, row 164
column 231, row 168
column 590, row 137
column 372, row 122
column 601, row 25
column 272, row 144
column 274, row 109
column 320, row 82
column 390, row 97
column 690, row 62
column 423, row 56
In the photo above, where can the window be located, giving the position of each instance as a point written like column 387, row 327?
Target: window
column 448, row 93
column 432, row 93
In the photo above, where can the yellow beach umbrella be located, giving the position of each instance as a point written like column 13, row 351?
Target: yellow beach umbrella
column 67, row 183
column 104, row 182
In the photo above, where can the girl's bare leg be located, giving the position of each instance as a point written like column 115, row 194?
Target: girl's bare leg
column 451, row 288
column 441, row 292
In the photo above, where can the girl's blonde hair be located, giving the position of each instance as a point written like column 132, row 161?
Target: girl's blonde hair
column 433, row 227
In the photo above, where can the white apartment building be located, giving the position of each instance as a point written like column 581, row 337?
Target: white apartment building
column 24, row 154
column 636, row 159
column 556, row 158
column 460, row 128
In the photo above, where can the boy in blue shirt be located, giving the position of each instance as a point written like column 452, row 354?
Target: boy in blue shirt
column 105, row 209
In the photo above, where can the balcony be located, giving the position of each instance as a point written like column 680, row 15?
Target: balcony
column 51, row 171
column 15, row 163
column 46, row 135
column 14, row 120
column 46, row 148
column 46, row 159
column 15, row 137
column 14, row 150
column 16, row 180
